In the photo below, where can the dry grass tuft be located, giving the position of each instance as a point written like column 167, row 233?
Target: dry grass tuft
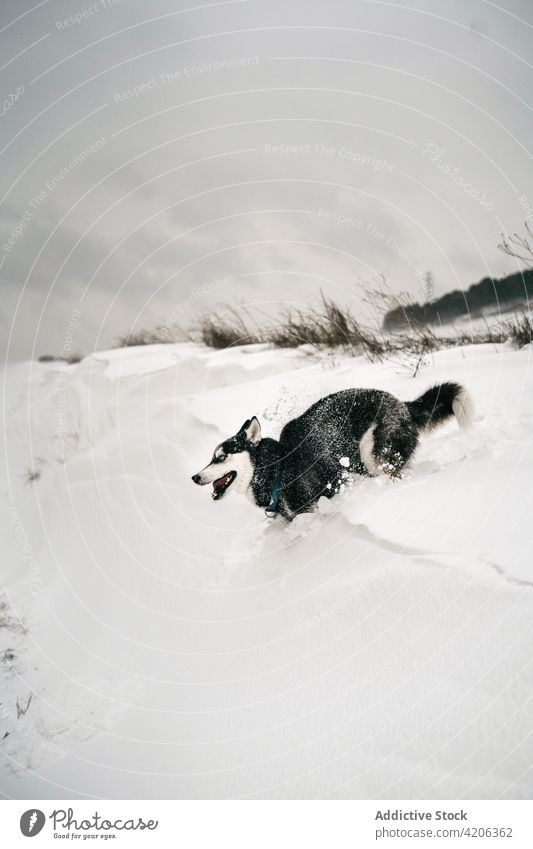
column 519, row 330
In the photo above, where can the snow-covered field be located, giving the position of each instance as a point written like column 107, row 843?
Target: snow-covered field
column 176, row 647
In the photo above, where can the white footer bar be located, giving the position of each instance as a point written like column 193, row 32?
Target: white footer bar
column 268, row 824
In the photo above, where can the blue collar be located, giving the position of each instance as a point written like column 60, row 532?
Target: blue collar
column 272, row 508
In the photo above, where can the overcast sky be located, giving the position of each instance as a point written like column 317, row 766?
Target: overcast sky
column 158, row 161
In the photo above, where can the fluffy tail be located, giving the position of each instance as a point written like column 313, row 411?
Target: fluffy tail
column 440, row 403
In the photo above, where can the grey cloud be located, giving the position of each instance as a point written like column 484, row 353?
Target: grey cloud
column 351, row 85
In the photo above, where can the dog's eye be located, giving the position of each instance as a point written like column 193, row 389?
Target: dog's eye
column 221, row 458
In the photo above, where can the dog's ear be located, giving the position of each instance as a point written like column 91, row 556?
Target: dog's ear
column 252, row 429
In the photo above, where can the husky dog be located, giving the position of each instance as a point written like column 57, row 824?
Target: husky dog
column 357, row 431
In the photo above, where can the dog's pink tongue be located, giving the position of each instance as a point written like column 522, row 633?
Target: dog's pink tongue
column 220, row 482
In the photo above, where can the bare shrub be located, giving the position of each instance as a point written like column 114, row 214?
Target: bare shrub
column 519, row 330
column 32, row 476
column 325, row 326
column 22, row 709
column 331, row 326
column 162, row 335
column 227, row 328
column 519, row 247
column 7, row 620
column 72, row 359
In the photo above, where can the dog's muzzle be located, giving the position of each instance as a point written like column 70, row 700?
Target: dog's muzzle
column 220, row 485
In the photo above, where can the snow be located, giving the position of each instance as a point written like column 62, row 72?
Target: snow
column 181, row 648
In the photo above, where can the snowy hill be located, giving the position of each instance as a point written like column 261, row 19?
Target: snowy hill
column 176, row 647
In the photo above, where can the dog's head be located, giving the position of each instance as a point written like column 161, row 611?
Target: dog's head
column 231, row 465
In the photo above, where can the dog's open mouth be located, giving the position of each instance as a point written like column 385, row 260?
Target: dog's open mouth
column 221, row 485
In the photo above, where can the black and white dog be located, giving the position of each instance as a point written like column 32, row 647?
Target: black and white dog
column 357, row 431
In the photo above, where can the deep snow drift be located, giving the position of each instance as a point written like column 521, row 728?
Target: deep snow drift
column 177, row 647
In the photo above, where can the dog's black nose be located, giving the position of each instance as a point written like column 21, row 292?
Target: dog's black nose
column 196, row 478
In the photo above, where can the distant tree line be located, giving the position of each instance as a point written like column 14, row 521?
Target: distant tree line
column 488, row 294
